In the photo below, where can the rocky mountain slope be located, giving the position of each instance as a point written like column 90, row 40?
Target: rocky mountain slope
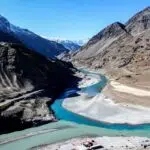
column 6, row 37
column 139, row 22
column 28, row 83
column 119, row 45
column 30, row 39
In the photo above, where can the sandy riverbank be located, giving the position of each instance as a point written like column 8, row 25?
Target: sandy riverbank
column 104, row 109
column 87, row 79
column 129, row 87
column 103, row 143
column 133, row 94
column 130, row 90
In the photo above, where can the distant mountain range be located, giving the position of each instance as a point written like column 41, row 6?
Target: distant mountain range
column 70, row 45
column 15, row 34
column 73, row 46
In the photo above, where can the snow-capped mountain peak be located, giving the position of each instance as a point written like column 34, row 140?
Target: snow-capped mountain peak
column 71, row 45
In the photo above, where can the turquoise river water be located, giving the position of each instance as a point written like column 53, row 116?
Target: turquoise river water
column 70, row 125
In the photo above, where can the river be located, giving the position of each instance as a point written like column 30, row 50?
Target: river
column 70, row 125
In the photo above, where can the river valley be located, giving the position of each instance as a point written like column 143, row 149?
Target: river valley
column 70, row 125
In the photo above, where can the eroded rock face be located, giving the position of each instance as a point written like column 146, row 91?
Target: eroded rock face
column 26, row 113
column 28, row 82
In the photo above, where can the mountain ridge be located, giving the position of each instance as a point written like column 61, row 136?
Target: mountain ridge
column 116, row 45
column 68, row 44
column 31, row 40
column 139, row 22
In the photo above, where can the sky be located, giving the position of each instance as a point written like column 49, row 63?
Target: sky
column 69, row 19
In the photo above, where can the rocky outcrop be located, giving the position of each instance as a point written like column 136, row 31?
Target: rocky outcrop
column 119, row 46
column 28, row 84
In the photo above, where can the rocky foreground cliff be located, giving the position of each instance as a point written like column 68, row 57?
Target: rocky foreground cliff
column 28, row 84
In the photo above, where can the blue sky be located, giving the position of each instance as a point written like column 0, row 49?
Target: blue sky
column 69, row 19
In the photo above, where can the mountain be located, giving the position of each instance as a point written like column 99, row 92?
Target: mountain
column 139, row 22
column 100, row 41
column 119, row 46
column 29, row 39
column 70, row 45
column 6, row 37
column 29, row 82
column 81, row 42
